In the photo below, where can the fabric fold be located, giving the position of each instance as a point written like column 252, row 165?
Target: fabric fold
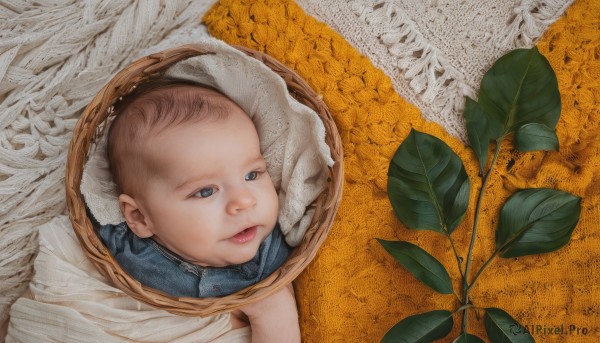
column 69, row 301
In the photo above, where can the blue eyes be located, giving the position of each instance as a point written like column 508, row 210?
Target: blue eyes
column 205, row 192
column 251, row 176
column 209, row 191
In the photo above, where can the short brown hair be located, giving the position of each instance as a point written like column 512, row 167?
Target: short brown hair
column 152, row 107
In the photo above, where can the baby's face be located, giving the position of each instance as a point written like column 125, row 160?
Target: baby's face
column 212, row 201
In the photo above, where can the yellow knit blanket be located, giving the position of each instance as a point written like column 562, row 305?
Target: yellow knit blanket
column 354, row 291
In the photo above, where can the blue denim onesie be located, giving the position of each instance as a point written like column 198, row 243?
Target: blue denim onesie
column 155, row 266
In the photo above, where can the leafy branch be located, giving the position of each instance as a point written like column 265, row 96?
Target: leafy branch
column 429, row 189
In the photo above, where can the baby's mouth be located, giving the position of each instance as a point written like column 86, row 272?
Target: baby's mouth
column 245, row 236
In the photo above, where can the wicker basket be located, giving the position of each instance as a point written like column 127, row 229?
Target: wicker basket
column 91, row 125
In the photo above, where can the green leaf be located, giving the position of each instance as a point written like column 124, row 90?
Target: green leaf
column 421, row 328
column 427, row 184
column 501, row 327
column 478, row 131
column 534, row 221
column 420, row 263
column 520, row 88
column 532, row 137
column 468, row 338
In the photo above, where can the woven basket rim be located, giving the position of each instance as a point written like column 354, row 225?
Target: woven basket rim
column 91, row 124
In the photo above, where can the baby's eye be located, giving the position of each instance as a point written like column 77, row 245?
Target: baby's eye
column 251, row 176
column 205, row 192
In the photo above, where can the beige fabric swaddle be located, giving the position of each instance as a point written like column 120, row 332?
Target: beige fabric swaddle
column 70, row 301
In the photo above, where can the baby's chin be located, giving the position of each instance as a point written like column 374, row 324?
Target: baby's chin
column 245, row 255
column 241, row 256
column 231, row 261
column 245, row 251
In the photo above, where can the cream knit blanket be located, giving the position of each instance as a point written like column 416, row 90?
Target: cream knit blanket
column 436, row 51
column 54, row 57
column 70, row 301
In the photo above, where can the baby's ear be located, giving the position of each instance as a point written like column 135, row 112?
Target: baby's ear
column 135, row 219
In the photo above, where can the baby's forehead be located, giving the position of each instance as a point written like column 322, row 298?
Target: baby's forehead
column 181, row 92
column 204, row 147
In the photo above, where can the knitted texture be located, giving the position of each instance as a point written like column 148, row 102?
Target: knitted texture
column 54, row 57
column 436, row 52
column 354, row 291
column 68, row 301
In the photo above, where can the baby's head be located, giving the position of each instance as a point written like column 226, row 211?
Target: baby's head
column 188, row 165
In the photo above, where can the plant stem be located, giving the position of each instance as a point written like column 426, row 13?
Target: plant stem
column 462, row 276
column 464, row 307
column 466, row 287
column 489, row 260
column 482, row 268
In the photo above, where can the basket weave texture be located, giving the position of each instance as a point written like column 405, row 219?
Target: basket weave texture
column 90, row 127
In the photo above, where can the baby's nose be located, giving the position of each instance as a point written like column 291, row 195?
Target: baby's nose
column 242, row 199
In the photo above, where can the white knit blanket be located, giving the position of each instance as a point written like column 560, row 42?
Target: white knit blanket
column 54, row 57
column 436, row 51
column 70, row 301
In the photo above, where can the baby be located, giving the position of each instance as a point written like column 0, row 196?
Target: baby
column 200, row 207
